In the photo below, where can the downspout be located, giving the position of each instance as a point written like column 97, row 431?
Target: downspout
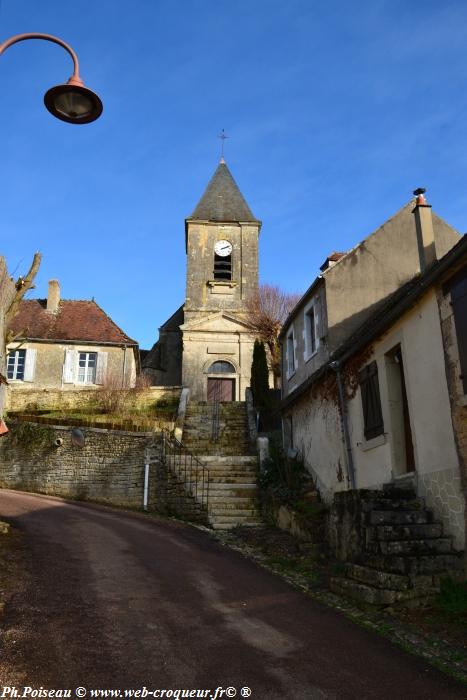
column 146, row 481
column 124, row 366
column 336, row 367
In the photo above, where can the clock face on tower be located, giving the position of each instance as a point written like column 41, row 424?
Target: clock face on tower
column 223, row 248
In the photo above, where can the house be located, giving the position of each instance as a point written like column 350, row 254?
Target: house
column 374, row 357
column 207, row 344
column 68, row 345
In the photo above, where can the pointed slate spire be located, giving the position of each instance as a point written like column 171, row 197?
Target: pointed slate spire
column 222, row 200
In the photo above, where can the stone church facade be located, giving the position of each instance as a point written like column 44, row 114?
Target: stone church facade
column 207, row 344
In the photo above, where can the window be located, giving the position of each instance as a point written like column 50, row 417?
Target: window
column 290, row 353
column 371, row 401
column 221, row 367
column 222, row 267
column 16, row 365
column 311, row 331
column 87, row 362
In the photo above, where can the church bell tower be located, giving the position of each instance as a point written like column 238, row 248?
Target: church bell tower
column 221, row 239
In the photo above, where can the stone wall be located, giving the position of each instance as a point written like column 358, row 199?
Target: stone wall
column 456, row 394
column 109, row 468
column 81, row 398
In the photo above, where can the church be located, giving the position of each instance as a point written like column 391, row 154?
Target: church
column 207, row 344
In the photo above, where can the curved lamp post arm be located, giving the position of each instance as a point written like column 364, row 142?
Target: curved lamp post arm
column 46, row 37
column 71, row 102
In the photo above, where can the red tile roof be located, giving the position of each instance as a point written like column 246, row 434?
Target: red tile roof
column 74, row 320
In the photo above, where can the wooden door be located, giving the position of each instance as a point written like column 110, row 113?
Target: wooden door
column 221, row 389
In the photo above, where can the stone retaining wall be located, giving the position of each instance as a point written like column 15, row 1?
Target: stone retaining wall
column 109, row 468
column 19, row 399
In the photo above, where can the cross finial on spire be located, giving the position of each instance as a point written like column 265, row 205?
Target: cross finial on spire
column 222, row 136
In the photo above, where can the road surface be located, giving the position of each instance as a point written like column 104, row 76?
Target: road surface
column 112, row 600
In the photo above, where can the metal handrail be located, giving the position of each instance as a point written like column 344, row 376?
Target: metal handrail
column 215, row 420
column 187, row 467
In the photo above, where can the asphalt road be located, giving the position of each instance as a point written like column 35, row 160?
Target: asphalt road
column 114, row 601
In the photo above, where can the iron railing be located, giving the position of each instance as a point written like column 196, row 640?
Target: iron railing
column 187, row 468
column 215, row 421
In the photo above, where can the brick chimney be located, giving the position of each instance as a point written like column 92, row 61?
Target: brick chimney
column 424, row 228
column 53, row 297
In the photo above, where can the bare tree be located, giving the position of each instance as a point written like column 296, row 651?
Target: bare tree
column 22, row 285
column 267, row 311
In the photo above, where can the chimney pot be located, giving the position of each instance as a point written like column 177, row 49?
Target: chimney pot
column 53, row 297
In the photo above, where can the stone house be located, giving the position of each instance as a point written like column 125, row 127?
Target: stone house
column 207, row 344
column 373, row 357
column 67, row 345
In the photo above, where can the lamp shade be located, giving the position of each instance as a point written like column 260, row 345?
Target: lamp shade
column 75, row 104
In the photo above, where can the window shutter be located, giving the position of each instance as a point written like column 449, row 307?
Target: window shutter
column 69, row 367
column 371, row 401
column 30, row 364
column 319, row 319
column 101, row 369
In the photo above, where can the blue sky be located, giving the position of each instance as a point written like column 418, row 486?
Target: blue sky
column 336, row 111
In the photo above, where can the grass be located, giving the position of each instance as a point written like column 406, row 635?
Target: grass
column 156, row 415
column 451, row 603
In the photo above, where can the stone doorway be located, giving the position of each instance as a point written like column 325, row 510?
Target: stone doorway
column 402, row 442
column 222, row 386
column 221, row 389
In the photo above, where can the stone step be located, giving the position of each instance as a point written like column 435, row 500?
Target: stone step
column 393, row 505
column 412, row 531
column 380, row 597
column 227, row 461
column 442, row 545
column 399, row 517
column 232, row 491
column 236, row 507
column 382, row 579
column 220, row 525
column 416, row 565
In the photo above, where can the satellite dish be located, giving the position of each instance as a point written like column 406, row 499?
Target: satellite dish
column 77, row 437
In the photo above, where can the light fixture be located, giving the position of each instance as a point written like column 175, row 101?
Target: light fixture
column 72, row 101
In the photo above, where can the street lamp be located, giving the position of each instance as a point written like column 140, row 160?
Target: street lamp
column 71, row 102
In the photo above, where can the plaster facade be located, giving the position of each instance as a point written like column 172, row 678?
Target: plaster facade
column 48, row 370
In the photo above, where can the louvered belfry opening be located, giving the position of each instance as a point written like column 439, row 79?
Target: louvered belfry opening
column 222, row 267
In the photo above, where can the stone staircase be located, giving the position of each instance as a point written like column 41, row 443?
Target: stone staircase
column 226, row 451
column 404, row 552
column 231, row 436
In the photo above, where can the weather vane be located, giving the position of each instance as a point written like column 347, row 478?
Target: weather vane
column 222, row 136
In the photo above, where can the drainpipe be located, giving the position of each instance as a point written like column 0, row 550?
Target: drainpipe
column 336, row 367
column 146, row 484
column 124, row 366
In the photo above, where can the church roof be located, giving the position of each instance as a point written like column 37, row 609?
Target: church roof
column 222, row 200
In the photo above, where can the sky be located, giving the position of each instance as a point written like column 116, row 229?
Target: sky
column 335, row 111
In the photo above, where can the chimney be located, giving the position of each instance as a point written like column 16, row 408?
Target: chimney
column 53, row 297
column 331, row 260
column 424, row 228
